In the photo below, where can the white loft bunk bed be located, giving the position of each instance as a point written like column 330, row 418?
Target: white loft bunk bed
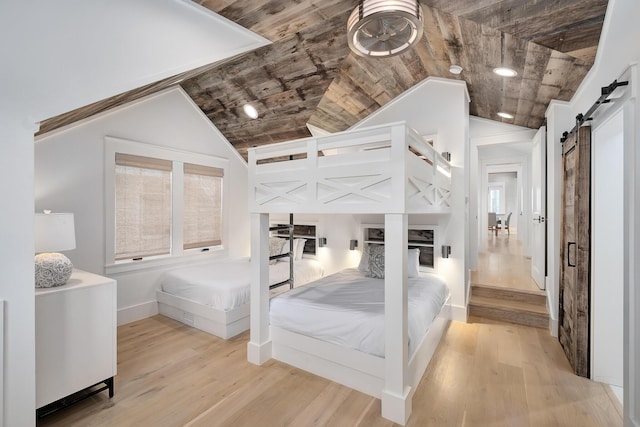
column 387, row 170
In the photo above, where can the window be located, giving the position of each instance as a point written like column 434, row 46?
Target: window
column 161, row 204
column 202, row 206
column 496, row 197
column 143, row 207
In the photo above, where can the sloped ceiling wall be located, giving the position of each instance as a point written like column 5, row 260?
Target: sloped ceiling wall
column 59, row 56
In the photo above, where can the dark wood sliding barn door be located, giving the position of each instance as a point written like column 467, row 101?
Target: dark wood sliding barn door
column 575, row 281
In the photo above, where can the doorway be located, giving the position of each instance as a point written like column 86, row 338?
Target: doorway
column 502, row 287
column 503, row 256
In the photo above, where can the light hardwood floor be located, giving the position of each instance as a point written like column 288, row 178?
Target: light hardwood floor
column 483, row 374
column 503, row 264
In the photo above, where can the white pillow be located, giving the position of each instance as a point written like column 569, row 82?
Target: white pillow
column 364, row 259
column 413, row 262
column 285, row 249
column 299, row 248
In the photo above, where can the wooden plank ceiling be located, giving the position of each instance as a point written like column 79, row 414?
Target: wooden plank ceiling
column 308, row 74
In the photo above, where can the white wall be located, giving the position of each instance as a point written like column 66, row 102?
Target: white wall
column 71, row 53
column 607, row 265
column 69, row 177
column 16, row 264
column 485, row 131
column 615, row 54
column 441, row 106
column 56, row 57
column 557, row 115
column 631, row 167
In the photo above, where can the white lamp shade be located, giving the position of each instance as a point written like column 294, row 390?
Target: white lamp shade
column 54, row 232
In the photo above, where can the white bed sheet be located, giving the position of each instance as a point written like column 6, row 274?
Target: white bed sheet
column 347, row 309
column 225, row 284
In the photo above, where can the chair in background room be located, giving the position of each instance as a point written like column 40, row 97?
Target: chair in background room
column 493, row 222
column 506, row 223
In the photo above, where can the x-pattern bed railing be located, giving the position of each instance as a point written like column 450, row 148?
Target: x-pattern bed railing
column 380, row 169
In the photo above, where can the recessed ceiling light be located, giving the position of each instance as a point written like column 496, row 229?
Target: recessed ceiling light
column 250, row 111
column 455, row 69
column 505, row 72
column 505, row 115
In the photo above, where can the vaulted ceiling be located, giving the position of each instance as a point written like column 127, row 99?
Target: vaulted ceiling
column 308, row 75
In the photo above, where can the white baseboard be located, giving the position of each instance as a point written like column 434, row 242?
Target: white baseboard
column 137, row 312
column 553, row 326
column 618, row 392
column 459, row 313
column 258, row 353
column 395, row 407
column 553, row 316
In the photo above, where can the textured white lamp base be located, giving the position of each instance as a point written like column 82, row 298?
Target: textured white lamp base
column 52, row 269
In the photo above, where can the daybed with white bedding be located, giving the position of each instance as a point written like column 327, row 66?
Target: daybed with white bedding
column 387, row 170
column 214, row 297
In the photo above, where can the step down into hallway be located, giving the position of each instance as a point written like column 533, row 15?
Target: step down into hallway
column 509, row 305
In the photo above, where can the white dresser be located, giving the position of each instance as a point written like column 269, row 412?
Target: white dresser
column 75, row 337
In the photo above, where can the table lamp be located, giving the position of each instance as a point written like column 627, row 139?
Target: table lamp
column 53, row 232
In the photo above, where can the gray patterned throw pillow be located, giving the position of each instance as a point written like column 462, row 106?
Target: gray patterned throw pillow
column 376, row 261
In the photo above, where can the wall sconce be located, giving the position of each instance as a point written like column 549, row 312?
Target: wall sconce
column 353, row 244
column 446, row 155
column 446, row 251
column 322, row 242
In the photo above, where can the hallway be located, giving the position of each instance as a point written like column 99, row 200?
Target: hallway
column 502, row 287
column 502, row 264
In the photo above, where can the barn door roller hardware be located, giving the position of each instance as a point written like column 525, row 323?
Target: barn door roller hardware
column 581, row 118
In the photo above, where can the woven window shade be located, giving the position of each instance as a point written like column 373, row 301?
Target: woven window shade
column 143, row 162
column 203, row 170
column 202, row 206
column 143, row 207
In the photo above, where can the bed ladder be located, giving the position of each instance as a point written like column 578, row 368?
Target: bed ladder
column 289, row 254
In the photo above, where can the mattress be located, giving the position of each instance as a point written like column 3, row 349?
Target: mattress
column 347, row 309
column 224, row 285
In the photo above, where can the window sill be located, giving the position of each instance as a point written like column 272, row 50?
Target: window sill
column 166, row 261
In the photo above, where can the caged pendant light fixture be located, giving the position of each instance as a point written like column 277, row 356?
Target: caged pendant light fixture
column 382, row 28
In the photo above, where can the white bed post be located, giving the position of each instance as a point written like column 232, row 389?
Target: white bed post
column 259, row 346
column 396, row 395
